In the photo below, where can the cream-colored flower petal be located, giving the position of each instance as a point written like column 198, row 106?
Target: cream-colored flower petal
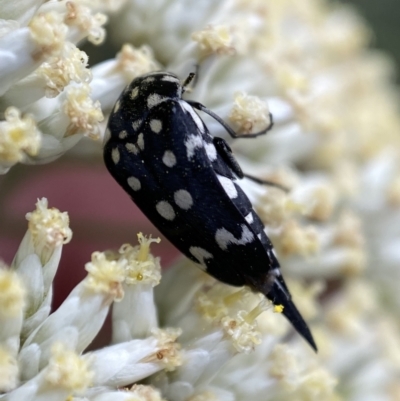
column 131, row 361
column 19, row 137
column 23, row 50
column 137, row 392
column 136, row 315
column 79, row 318
column 8, row 370
column 66, row 373
column 12, row 305
column 37, row 260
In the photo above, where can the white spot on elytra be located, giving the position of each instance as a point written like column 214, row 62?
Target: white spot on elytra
column 116, row 107
column 165, row 210
column 154, row 99
column 200, row 254
column 228, row 185
column 148, row 80
column 132, row 148
column 259, row 236
column 155, row 125
column 249, row 218
column 136, row 124
column 169, row 78
column 115, row 155
column 134, row 183
column 123, row 134
column 223, row 237
column 188, row 108
column 169, row 158
column 140, row 141
column 183, row 199
column 135, row 92
column 193, row 142
column 211, row 151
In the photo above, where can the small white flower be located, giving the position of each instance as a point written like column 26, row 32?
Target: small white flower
column 143, row 273
column 19, row 137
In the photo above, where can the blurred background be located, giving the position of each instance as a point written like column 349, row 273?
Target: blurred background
column 101, row 214
column 384, row 19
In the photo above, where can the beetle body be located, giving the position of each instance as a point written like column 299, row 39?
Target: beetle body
column 183, row 179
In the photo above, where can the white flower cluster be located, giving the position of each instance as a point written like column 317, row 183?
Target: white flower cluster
column 335, row 146
column 38, row 60
column 41, row 352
